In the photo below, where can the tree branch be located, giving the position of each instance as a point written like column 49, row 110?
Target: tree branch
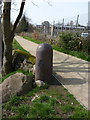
column 48, row 1
column 19, row 15
column 34, row 4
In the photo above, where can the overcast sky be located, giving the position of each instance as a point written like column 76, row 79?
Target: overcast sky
column 55, row 10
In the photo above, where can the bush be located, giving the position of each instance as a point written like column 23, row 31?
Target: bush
column 70, row 41
column 86, row 45
column 74, row 42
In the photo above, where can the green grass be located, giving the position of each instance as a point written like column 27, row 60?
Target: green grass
column 33, row 40
column 12, row 73
column 3, row 78
column 49, row 104
column 20, row 50
column 77, row 54
column 16, row 45
column 22, row 111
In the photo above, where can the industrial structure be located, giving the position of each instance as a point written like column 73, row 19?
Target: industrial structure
column 55, row 28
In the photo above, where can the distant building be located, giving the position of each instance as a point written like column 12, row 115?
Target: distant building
column 56, row 28
column 46, row 27
column 39, row 28
column 89, row 13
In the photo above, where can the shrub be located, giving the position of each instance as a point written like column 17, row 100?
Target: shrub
column 35, row 35
column 69, row 41
column 86, row 45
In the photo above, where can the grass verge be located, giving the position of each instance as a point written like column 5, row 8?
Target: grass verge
column 16, row 45
column 20, row 50
column 77, row 54
column 43, row 103
column 12, row 73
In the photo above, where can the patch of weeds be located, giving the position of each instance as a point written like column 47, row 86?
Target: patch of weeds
column 22, row 111
column 70, row 97
column 89, row 114
column 67, row 108
column 36, row 89
column 24, row 72
column 12, row 73
column 46, row 99
column 6, row 106
column 60, row 96
column 81, row 55
column 79, row 112
column 30, row 94
column 38, row 109
column 43, row 107
column 16, row 45
column 33, row 40
column 16, row 100
column 41, row 110
column 65, row 89
column 8, row 75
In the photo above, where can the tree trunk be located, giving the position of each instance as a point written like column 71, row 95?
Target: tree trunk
column 8, row 35
column 7, row 39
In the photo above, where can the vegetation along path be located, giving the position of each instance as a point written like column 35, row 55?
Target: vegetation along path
column 73, row 73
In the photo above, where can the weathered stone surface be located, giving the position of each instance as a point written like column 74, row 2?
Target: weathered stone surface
column 17, row 60
column 26, row 66
column 22, row 59
column 17, row 84
column 33, row 69
column 39, row 83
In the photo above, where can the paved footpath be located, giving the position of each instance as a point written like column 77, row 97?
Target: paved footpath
column 73, row 73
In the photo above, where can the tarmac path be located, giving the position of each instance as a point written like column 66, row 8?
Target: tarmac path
column 73, row 73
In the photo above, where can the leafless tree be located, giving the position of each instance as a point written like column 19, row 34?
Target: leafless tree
column 8, row 34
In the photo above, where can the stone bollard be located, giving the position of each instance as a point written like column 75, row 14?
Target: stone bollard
column 43, row 66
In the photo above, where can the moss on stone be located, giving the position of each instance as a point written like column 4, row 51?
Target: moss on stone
column 29, row 57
